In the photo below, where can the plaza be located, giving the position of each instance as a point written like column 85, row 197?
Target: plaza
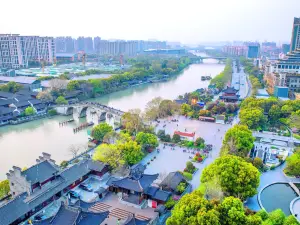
column 170, row 160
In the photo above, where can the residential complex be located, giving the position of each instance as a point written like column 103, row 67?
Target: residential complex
column 247, row 49
column 295, row 41
column 18, row 51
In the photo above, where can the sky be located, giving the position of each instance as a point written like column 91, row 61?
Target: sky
column 186, row 21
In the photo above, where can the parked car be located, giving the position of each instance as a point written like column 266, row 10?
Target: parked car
column 85, row 188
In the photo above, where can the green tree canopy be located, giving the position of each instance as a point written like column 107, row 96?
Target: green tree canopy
column 132, row 121
column 147, row 140
column 73, row 85
column 176, row 138
column 152, row 109
column 293, row 164
column 274, row 113
column 131, row 151
column 237, row 177
column 61, row 100
column 29, row 111
column 252, row 117
column 4, row 188
column 101, row 130
column 238, row 141
column 11, row 86
column 167, row 108
column 109, row 154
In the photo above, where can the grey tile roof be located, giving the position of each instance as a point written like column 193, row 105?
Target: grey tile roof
column 96, row 165
column 19, row 79
column 131, row 220
column 22, row 204
column 172, row 180
column 158, row 194
column 4, row 94
column 65, row 216
column 138, row 185
column 35, row 101
column 21, row 104
column 40, row 172
column 4, row 102
column 5, row 110
column 27, row 92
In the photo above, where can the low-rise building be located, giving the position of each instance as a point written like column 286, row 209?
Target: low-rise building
column 38, row 186
column 29, row 83
column 186, row 135
column 229, row 95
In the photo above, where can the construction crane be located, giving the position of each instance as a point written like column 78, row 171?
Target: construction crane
column 82, row 56
column 121, row 60
column 43, row 62
column 54, row 61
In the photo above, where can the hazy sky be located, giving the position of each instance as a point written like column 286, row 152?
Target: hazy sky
column 188, row 21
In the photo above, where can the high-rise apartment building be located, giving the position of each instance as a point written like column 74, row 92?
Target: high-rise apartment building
column 97, row 44
column 64, row 45
column 19, row 51
column 80, row 44
column 118, row 47
column 295, row 42
column 88, row 45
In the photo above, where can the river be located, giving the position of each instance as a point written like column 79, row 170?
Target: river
column 20, row 145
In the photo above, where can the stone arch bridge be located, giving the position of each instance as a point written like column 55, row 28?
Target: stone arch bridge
column 94, row 112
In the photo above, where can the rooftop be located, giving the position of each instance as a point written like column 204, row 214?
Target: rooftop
column 19, row 79
column 184, row 134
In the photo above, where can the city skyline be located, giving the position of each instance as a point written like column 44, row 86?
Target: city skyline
column 192, row 23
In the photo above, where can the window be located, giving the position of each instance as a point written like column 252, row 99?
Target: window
column 12, row 184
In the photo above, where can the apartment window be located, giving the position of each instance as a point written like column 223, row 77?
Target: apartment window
column 12, row 184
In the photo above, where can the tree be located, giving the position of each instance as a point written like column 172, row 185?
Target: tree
column 277, row 217
column 109, row 154
column 286, row 110
column 238, row 141
column 291, row 220
column 44, row 96
column 29, row 111
column 199, row 141
column 147, row 140
column 11, row 87
column 257, row 162
column 58, row 84
column 75, row 149
column 61, row 100
column 237, row 177
column 185, row 109
column 204, row 112
column 4, row 188
column 152, row 108
column 101, row 130
column 176, row 138
column 252, row 117
column 131, row 151
column 167, row 108
column 293, row 164
column 132, row 121
column 232, row 211
column 73, row 85
column 274, row 113
column 186, row 210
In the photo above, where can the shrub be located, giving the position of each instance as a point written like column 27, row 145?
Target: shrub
column 176, row 138
column 181, row 187
column 272, row 167
column 52, row 112
column 199, row 159
column 187, row 175
column 170, row 203
column 199, row 141
column 64, row 164
column 190, row 167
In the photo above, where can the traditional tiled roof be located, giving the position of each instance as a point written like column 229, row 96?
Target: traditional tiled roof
column 22, row 204
column 131, row 220
column 172, row 180
column 230, row 90
column 4, row 102
column 158, row 194
column 5, row 110
column 40, row 172
column 35, row 101
column 19, row 79
column 4, row 94
column 138, row 185
column 96, row 165
column 21, row 104
column 27, row 92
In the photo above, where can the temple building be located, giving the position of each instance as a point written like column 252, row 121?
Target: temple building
column 229, row 95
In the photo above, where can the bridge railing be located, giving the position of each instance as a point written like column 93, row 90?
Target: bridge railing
column 98, row 105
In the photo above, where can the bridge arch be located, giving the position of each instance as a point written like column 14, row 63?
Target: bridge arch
column 69, row 110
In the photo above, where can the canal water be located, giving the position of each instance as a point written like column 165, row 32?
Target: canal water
column 20, row 145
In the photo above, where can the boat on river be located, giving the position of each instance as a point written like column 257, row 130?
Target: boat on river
column 203, row 78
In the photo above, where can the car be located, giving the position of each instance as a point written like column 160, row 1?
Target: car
column 85, row 188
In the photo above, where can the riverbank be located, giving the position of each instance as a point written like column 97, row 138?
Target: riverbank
column 20, row 145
